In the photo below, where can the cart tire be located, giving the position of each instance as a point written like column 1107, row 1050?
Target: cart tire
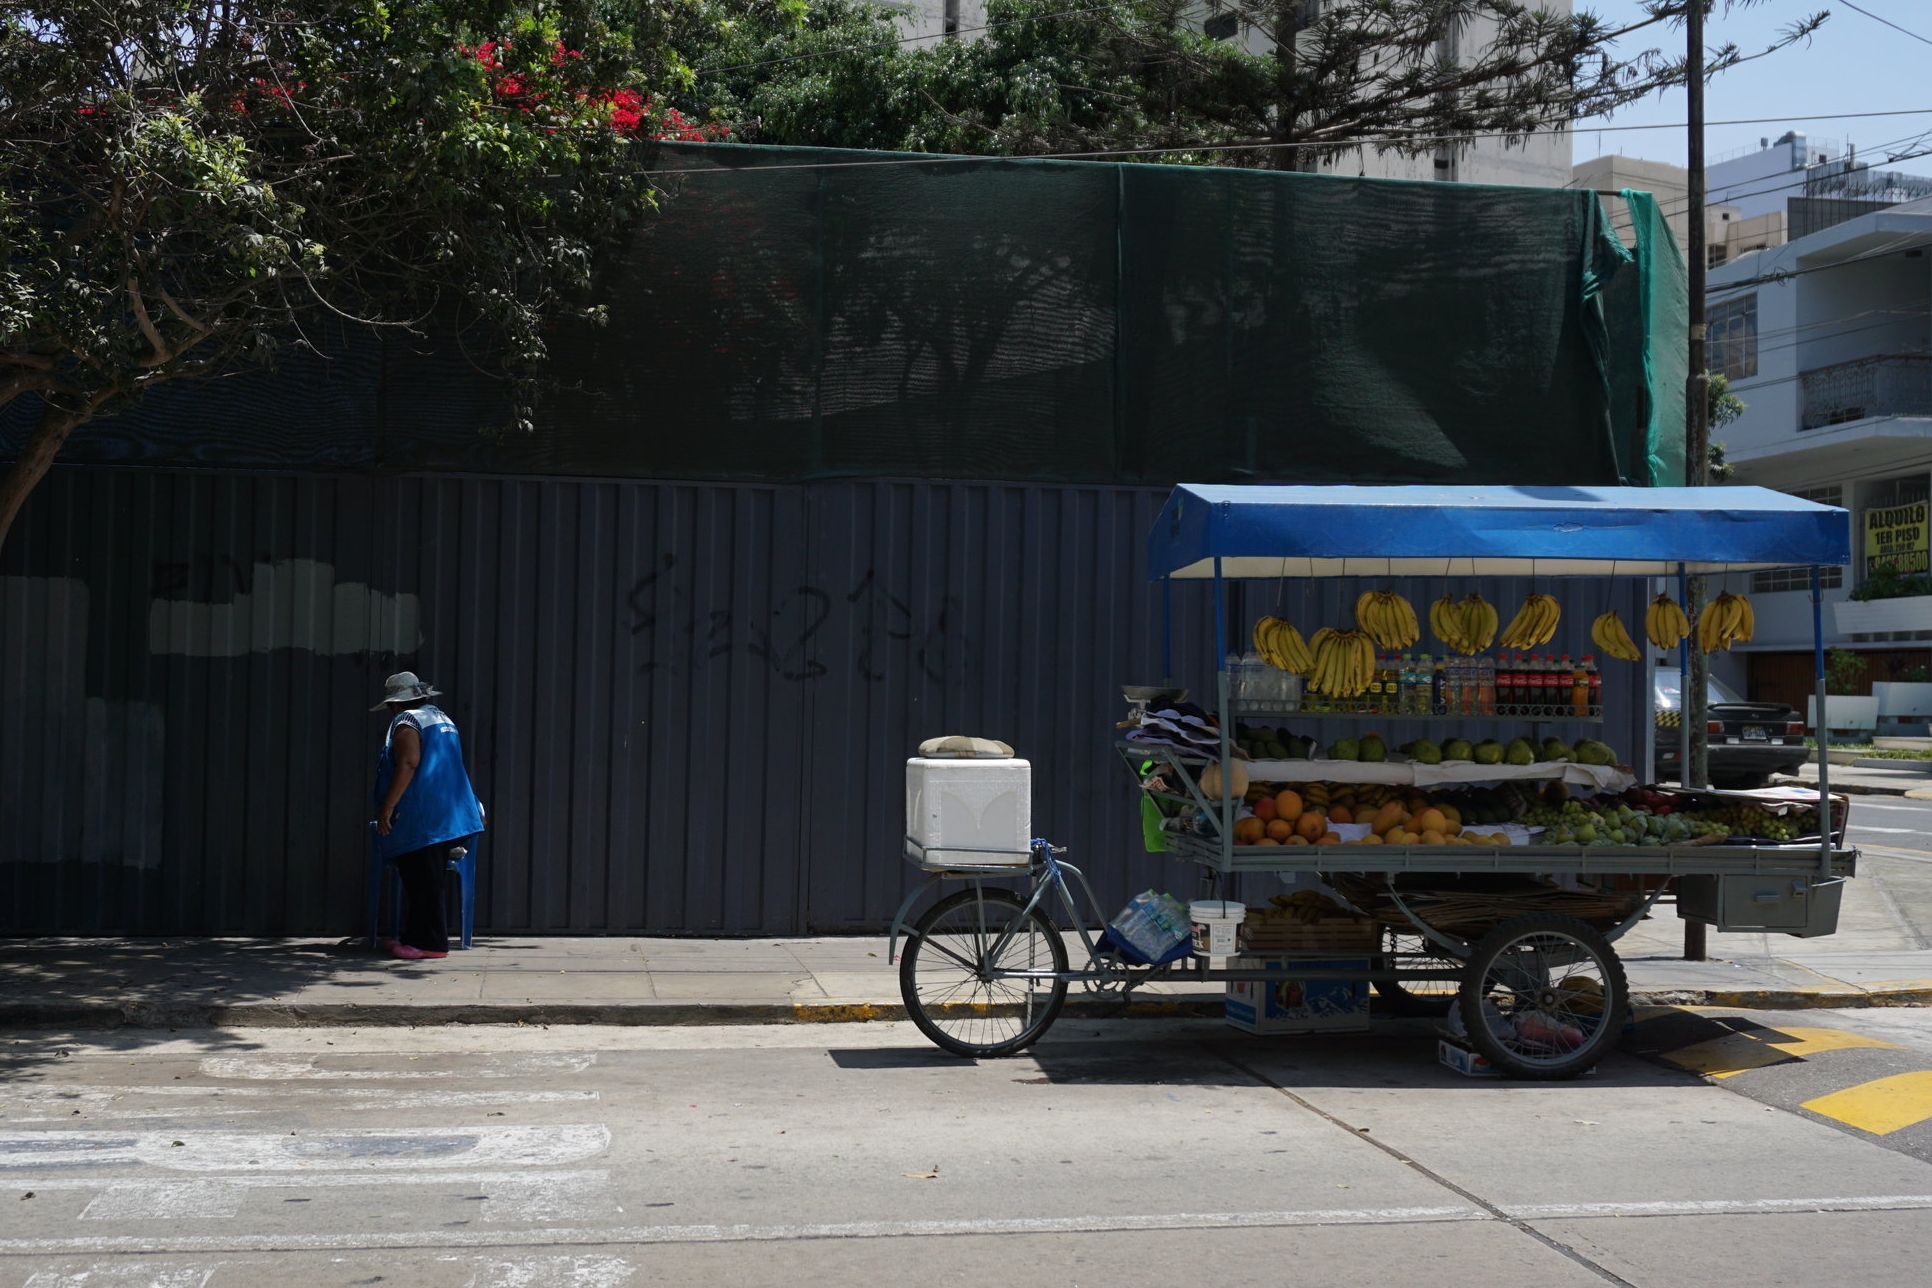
column 941, row 974
column 1545, row 997
column 1425, row 998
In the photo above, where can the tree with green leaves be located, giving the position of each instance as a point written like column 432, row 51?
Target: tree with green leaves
column 1291, row 83
column 187, row 187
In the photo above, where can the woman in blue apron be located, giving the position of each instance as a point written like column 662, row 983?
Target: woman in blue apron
column 425, row 810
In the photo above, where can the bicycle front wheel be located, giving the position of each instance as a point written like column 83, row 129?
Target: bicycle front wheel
column 952, row 973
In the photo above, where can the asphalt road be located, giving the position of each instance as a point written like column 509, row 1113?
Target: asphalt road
column 1894, row 835
column 1117, row 1154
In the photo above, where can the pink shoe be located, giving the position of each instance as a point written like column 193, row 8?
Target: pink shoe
column 397, row 948
column 428, row 955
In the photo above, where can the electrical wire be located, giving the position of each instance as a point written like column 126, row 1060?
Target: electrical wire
column 1887, row 21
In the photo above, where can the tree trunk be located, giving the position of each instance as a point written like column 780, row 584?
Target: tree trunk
column 35, row 459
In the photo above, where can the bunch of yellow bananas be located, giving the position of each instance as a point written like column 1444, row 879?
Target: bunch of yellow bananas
column 1724, row 621
column 1612, row 638
column 1665, row 623
column 1534, row 623
column 1467, row 627
column 1388, row 618
column 1344, row 662
column 1281, row 646
column 1303, row 907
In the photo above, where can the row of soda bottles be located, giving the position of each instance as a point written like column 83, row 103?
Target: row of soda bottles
column 1521, row 684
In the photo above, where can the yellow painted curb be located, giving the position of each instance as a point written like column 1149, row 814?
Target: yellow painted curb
column 854, row 1013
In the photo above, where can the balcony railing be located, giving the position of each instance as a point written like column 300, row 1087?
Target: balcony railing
column 1886, row 384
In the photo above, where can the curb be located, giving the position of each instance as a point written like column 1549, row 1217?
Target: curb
column 107, row 1015
column 1855, row 789
column 1784, row 999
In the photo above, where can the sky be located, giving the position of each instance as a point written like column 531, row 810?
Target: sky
column 1852, row 64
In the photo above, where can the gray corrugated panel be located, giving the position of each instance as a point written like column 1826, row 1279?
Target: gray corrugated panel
column 688, row 707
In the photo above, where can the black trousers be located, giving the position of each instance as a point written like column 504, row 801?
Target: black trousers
column 425, row 885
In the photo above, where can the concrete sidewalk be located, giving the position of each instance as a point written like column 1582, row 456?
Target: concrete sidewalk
column 1870, row 777
column 242, row 982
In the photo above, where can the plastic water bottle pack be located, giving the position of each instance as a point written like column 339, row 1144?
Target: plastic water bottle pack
column 1153, row 924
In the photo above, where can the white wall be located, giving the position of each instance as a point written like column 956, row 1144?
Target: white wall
column 928, row 18
column 1780, row 167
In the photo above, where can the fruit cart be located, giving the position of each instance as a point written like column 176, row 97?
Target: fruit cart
column 1496, row 878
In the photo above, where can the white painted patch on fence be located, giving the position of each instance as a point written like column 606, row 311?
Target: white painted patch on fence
column 554, row 1272
column 291, row 603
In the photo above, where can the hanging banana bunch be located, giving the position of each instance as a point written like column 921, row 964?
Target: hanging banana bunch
column 1344, row 662
column 1479, row 621
column 1724, row 621
column 1281, row 646
column 1534, row 623
column 1388, row 618
column 1610, row 636
column 1467, row 627
column 1665, row 623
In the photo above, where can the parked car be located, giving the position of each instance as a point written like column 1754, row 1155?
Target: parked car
column 1748, row 741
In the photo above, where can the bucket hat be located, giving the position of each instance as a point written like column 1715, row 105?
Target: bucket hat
column 404, row 686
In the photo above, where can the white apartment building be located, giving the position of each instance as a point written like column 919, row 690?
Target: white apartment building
column 1828, row 340
column 1541, row 160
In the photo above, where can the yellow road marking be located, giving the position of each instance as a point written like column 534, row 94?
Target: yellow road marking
column 1882, row 1106
column 1737, row 1053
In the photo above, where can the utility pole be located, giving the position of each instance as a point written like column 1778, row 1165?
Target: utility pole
column 1697, row 429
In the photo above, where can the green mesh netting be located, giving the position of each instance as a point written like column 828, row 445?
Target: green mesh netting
column 796, row 314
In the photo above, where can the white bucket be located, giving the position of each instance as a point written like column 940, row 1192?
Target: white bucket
column 1216, row 924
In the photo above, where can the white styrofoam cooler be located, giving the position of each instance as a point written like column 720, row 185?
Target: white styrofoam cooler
column 966, row 813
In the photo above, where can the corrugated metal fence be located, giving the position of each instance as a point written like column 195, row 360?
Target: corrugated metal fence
column 687, row 707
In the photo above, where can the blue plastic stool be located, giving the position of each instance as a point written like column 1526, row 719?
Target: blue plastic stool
column 464, row 867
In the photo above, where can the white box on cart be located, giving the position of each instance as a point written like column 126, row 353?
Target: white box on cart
column 965, row 812
column 1298, row 1005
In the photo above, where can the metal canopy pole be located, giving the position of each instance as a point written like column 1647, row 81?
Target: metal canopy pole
column 1221, row 690
column 1167, row 629
column 1824, row 729
column 1695, row 949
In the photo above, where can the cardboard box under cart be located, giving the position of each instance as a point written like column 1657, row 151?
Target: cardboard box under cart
column 1298, row 1005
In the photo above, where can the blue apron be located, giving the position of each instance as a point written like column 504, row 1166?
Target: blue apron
column 438, row 805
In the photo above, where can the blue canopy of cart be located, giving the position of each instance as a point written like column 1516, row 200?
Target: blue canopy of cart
column 1452, row 531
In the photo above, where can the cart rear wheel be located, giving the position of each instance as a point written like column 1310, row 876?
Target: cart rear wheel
column 1419, row 997
column 947, row 975
column 1544, row 997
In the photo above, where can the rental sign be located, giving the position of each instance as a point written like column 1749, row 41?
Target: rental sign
column 1897, row 536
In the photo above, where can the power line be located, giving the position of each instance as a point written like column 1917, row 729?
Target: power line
column 1259, row 146
column 1887, row 21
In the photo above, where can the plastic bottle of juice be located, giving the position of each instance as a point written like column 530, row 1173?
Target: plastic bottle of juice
column 1486, row 685
column 1580, row 688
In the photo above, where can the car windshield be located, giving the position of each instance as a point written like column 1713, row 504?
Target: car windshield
column 1670, row 693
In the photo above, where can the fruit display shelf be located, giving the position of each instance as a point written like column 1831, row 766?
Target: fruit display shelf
column 1794, row 860
column 1276, row 711
column 1409, row 773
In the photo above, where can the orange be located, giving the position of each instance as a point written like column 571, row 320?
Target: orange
column 1311, row 825
column 1288, row 804
column 1340, row 814
column 1296, row 840
column 1267, row 840
column 1278, row 829
column 1330, row 838
column 1249, row 830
